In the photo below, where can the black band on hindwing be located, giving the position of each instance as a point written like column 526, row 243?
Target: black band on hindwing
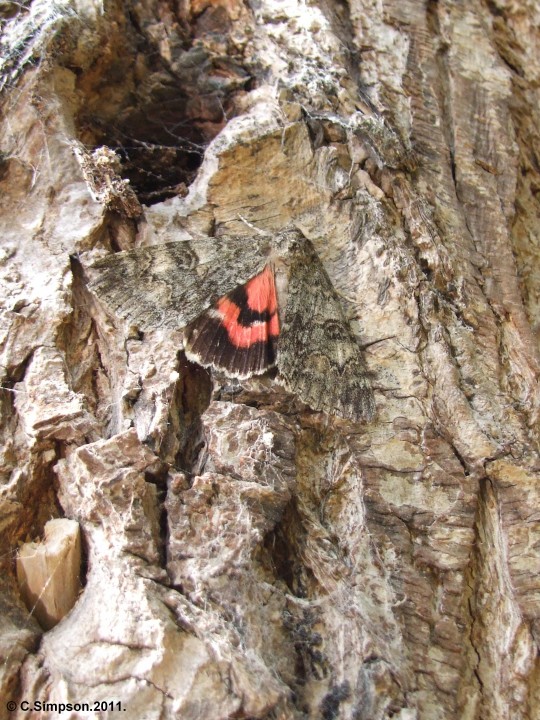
column 248, row 316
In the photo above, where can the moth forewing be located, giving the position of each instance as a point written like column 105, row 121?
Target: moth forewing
column 167, row 286
column 318, row 356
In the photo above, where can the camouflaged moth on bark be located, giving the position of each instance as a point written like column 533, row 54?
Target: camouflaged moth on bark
column 245, row 305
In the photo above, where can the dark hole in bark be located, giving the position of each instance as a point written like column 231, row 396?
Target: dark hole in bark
column 158, row 101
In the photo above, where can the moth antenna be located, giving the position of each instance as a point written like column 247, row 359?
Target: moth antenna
column 250, row 225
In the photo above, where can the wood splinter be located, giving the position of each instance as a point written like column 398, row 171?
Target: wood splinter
column 48, row 572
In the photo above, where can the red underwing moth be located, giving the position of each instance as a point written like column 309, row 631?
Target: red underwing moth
column 222, row 293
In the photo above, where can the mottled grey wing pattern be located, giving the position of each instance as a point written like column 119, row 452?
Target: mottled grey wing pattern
column 169, row 285
column 318, row 356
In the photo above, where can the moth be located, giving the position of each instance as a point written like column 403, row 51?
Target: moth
column 246, row 304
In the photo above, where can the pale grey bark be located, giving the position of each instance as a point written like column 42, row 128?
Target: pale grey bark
column 246, row 558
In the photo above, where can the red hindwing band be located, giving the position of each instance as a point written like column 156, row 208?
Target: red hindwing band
column 239, row 334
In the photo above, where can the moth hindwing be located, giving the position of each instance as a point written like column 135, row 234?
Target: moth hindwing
column 222, row 293
column 239, row 334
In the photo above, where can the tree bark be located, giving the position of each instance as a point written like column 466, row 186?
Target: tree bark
column 244, row 556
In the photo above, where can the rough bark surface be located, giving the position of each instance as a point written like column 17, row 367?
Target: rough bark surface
column 244, row 556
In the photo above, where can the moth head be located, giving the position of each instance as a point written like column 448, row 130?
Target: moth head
column 287, row 241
